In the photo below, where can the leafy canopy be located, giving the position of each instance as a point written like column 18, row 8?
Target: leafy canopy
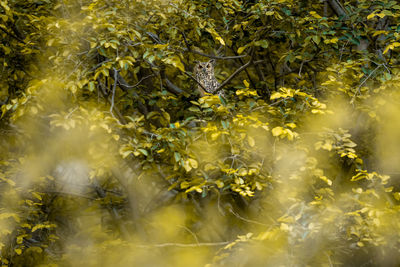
column 109, row 154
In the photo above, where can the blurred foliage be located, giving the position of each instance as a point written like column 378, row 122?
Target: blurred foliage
column 110, row 156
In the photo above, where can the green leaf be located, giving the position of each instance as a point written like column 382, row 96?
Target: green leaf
column 143, row 151
column 177, row 156
column 91, row 86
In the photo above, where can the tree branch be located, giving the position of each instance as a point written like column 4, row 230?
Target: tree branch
column 214, row 57
column 169, row 85
column 112, row 210
column 337, row 8
column 113, row 90
column 116, row 110
column 182, row 245
column 234, row 74
column 127, row 88
column 12, row 35
column 194, row 79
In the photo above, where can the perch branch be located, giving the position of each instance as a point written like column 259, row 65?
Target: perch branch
column 234, row 74
column 194, row 79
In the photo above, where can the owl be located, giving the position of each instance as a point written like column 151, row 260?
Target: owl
column 204, row 73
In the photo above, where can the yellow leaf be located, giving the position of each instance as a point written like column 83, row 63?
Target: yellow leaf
column 187, row 166
column 178, row 64
column 277, row 131
column 193, row 163
column 291, row 125
column 389, row 47
column 241, row 49
column 315, row 15
column 242, row 172
column 290, row 134
column 251, row 141
column 18, row 251
column 284, row 227
column 276, row 95
column 327, row 146
column 36, row 195
column 214, row 136
column 50, row 42
column 246, row 83
column 326, row 180
column 381, row 15
column 7, row 215
column 125, row 154
column 370, row 16
column 185, row 185
column 219, row 38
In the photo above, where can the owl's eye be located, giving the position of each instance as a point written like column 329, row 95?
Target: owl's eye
column 208, row 66
column 200, row 66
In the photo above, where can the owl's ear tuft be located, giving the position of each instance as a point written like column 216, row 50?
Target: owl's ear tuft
column 212, row 62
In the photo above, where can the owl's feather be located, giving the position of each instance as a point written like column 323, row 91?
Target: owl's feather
column 204, row 72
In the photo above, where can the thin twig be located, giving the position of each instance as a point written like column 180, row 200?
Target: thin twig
column 362, row 83
column 246, row 220
column 190, row 232
column 124, row 86
column 102, row 90
column 139, row 82
column 113, row 91
column 182, row 245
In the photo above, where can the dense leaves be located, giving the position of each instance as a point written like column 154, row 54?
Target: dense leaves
column 110, row 154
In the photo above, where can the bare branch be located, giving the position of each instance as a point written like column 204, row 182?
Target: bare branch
column 362, row 83
column 113, row 91
column 116, row 110
column 244, row 219
column 139, row 82
column 182, row 245
column 172, row 87
column 169, row 85
column 234, row 74
column 126, row 87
